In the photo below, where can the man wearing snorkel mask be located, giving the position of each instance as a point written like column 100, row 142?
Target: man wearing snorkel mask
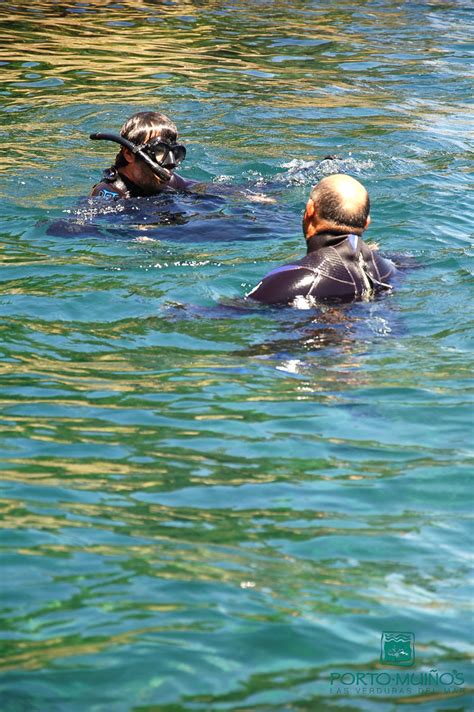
column 145, row 163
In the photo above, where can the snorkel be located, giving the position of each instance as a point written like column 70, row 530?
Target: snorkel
column 158, row 170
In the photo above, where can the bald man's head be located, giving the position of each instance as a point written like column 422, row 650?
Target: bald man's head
column 337, row 202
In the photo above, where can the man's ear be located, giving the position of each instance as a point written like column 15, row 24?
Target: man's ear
column 310, row 210
column 128, row 155
column 308, row 219
column 367, row 222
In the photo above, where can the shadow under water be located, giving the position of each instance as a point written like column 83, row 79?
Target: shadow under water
column 303, row 333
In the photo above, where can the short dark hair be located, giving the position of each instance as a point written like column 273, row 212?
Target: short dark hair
column 330, row 207
column 140, row 127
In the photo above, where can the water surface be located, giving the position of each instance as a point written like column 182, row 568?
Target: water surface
column 210, row 505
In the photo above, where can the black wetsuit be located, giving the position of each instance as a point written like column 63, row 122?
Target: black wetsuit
column 114, row 185
column 337, row 266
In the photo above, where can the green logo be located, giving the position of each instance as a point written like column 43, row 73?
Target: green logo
column 397, row 648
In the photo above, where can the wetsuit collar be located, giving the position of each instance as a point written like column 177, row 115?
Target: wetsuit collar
column 124, row 184
column 330, row 238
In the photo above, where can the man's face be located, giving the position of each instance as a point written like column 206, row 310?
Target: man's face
column 141, row 173
column 146, row 179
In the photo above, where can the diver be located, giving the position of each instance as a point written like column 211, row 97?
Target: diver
column 338, row 264
column 148, row 155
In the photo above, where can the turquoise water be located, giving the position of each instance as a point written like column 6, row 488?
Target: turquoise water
column 208, row 505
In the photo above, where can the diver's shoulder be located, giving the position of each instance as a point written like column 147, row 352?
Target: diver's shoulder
column 177, row 182
column 282, row 284
column 111, row 187
column 371, row 251
column 105, row 190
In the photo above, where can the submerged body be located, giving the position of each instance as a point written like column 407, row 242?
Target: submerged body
column 115, row 185
column 337, row 266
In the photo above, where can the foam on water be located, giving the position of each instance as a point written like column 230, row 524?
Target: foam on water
column 300, row 172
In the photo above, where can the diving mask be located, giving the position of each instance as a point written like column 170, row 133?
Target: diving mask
column 159, row 155
column 165, row 154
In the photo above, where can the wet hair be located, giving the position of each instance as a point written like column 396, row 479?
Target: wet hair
column 331, row 207
column 141, row 127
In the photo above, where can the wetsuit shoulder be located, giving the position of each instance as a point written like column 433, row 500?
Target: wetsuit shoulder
column 283, row 284
column 177, row 182
column 380, row 268
column 111, row 187
column 350, row 270
column 106, row 190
